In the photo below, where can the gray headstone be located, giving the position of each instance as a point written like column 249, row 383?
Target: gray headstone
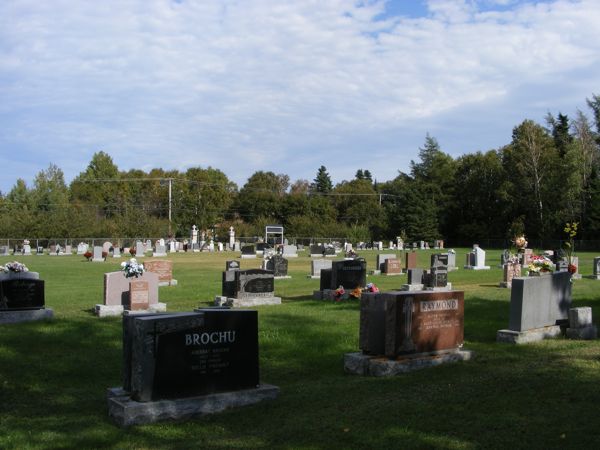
column 539, row 301
column 381, row 260
column 316, row 265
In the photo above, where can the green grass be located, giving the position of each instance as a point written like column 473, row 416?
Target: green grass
column 53, row 375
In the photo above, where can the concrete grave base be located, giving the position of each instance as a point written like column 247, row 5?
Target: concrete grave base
column 524, row 337
column 155, row 308
column 246, row 302
column 477, row 267
column 379, row 366
column 126, row 412
column 504, row 284
column 393, row 274
column 584, row 333
column 168, row 283
column 314, row 277
column 108, row 310
column 375, row 272
column 412, row 287
column 97, row 259
column 448, row 287
column 248, row 256
column 29, row 315
column 594, row 277
column 283, row 277
column 328, row 294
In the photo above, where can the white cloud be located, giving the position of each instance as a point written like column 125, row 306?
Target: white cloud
column 283, row 86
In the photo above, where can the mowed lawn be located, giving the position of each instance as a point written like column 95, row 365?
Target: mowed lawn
column 53, row 375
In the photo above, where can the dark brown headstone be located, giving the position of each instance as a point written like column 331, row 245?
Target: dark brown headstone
column 411, row 260
column 163, row 268
column 423, row 322
column 392, row 266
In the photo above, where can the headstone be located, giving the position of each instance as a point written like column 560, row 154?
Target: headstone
column 68, row 249
column 279, row 266
column 232, row 265
column 410, row 261
column 415, row 276
column 231, row 238
column 413, row 330
column 26, row 250
column 116, row 252
column 97, row 257
column 511, row 270
column 164, row 270
column 40, row 251
column 139, row 295
column 220, row 246
column 139, row 249
column 161, row 250
column 4, row 250
column 537, row 306
column 183, row 365
column 381, row 258
column 392, row 266
column 173, row 246
column 451, row 260
column 82, row 247
column 106, row 246
column 116, row 294
column 290, row 251
column 439, row 260
column 21, row 292
column 316, row 265
column 248, row 251
column 316, row 251
column 436, row 278
column 476, row 259
column 422, row 245
column 580, row 324
column 329, row 251
column 596, row 268
column 251, row 287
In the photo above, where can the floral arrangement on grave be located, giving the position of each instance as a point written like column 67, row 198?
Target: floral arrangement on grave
column 540, row 264
column 371, row 288
column 14, row 267
column 340, row 294
column 356, row 292
column 569, row 245
column 88, row 255
column 132, row 251
column 519, row 244
column 26, row 242
column 132, row 268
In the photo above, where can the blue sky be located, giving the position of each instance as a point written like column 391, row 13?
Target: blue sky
column 283, row 86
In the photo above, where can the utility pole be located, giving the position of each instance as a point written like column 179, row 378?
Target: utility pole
column 170, row 183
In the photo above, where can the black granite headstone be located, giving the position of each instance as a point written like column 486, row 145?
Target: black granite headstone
column 248, row 250
column 348, row 273
column 228, row 284
column 278, row 265
column 17, row 294
column 317, row 250
column 325, row 280
column 254, row 283
column 189, row 354
column 439, row 260
column 329, row 251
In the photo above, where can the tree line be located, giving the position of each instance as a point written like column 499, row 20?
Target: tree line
column 546, row 176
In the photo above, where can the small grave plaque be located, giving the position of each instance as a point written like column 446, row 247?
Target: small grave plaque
column 232, row 265
column 139, row 295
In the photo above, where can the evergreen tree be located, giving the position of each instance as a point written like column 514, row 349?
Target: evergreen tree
column 359, row 175
column 368, row 176
column 322, row 182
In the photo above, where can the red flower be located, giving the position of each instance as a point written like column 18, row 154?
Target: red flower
column 572, row 268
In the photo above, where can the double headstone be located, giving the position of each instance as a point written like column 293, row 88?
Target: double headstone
column 538, row 305
column 22, row 297
column 412, row 330
column 349, row 273
column 250, row 287
column 316, row 265
column 476, row 259
column 200, row 362
column 164, row 270
column 248, row 251
column 380, row 262
column 117, row 294
column 279, row 266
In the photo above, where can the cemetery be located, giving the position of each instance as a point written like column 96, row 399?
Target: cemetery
column 313, row 371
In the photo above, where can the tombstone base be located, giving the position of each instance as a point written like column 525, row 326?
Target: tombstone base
column 168, row 283
column 524, row 337
column 477, row 267
column 282, row 277
column 316, row 255
column 154, row 308
column 379, row 366
column 97, row 259
column 246, row 302
column 108, row 310
column 248, row 256
column 584, row 333
column 375, row 272
column 119, row 310
column 505, row 284
column 28, row 315
column 412, row 287
column 126, row 412
column 154, row 255
column 594, row 277
column 448, row 287
column 314, row 277
column 393, row 274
